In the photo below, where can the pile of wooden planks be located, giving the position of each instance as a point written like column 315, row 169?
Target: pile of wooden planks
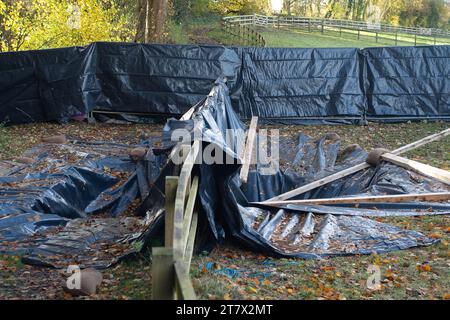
column 424, row 169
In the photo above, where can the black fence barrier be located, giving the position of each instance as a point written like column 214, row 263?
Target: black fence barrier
column 276, row 84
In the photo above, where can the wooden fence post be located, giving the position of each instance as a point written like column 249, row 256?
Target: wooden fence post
column 163, row 274
column 184, row 287
column 170, row 193
column 396, row 38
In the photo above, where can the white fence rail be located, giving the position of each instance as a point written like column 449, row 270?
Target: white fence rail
column 313, row 23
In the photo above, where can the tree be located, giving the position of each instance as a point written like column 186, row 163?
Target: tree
column 78, row 23
column 239, row 7
column 17, row 20
column 40, row 24
column 151, row 24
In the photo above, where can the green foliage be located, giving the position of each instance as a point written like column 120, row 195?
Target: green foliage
column 177, row 33
column 39, row 24
column 17, row 20
column 200, row 7
column 239, row 7
column 417, row 13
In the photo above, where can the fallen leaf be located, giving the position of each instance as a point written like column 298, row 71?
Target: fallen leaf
column 424, row 267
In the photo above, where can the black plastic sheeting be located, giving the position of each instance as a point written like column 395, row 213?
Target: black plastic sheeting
column 68, row 206
column 69, row 201
column 276, row 84
column 303, row 231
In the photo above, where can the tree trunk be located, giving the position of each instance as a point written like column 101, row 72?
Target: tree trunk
column 151, row 20
column 142, row 21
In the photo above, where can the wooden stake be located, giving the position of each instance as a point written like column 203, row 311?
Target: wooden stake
column 439, row 196
column 182, row 189
column 191, row 239
column 356, row 168
column 248, row 151
column 163, row 280
column 421, row 168
column 421, row 142
column 170, row 192
column 185, row 290
column 188, row 212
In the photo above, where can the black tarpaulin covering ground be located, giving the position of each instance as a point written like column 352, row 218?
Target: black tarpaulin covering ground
column 66, row 207
column 68, row 202
column 308, row 231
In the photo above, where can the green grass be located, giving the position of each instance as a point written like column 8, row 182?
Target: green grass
column 332, row 39
column 4, row 138
column 177, row 34
column 208, row 30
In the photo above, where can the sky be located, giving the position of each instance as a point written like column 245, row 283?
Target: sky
column 277, row 5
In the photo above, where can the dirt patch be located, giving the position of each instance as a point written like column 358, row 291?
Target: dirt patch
column 200, row 36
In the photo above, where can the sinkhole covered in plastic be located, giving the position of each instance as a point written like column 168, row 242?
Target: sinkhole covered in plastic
column 89, row 203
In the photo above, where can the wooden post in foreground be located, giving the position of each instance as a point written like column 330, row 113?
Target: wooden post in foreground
column 248, row 151
column 170, row 193
column 163, row 274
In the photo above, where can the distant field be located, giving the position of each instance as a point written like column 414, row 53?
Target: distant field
column 209, row 30
column 331, row 38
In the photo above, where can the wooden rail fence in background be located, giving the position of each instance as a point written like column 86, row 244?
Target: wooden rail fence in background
column 243, row 34
column 240, row 27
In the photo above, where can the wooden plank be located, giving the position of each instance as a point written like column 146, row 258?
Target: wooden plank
column 439, row 196
column 356, row 168
column 320, row 182
column 163, row 274
column 182, row 189
column 248, row 150
column 414, row 145
column 191, row 239
column 170, row 193
column 185, row 290
column 421, row 168
column 188, row 211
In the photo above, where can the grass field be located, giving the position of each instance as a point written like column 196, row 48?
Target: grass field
column 208, row 30
column 332, row 39
column 420, row 273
